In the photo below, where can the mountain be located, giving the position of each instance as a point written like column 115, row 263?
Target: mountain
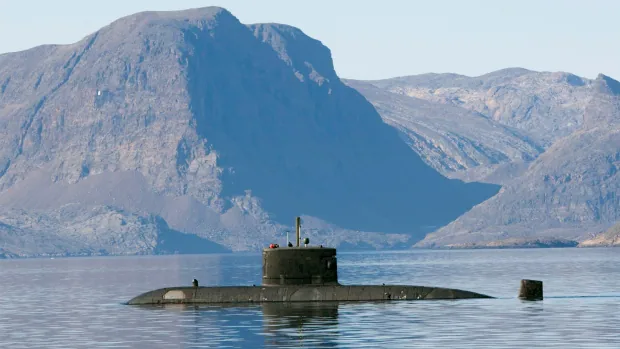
column 550, row 139
column 546, row 106
column 75, row 230
column 457, row 142
column 568, row 192
column 222, row 130
column 487, row 128
column 609, row 238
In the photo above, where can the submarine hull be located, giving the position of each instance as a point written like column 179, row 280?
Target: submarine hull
column 301, row 293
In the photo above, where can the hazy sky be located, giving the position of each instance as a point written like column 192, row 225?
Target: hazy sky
column 378, row 39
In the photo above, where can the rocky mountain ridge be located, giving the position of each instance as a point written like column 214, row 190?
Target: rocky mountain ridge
column 545, row 105
column 457, row 142
column 557, row 193
column 568, row 192
column 224, row 131
column 204, row 134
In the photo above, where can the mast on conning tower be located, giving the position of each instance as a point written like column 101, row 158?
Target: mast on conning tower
column 298, row 229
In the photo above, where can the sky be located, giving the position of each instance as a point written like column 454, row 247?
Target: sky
column 377, row 39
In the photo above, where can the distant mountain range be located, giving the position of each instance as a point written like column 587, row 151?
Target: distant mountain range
column 551, row 139
column 188, row 131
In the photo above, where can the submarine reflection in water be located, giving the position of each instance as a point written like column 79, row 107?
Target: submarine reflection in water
column 269, row 325
column 309, row 325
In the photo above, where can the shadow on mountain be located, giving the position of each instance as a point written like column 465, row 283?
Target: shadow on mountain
column 170, row 241
column 310, row 146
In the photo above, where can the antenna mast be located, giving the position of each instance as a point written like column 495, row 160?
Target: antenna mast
column 298, row 228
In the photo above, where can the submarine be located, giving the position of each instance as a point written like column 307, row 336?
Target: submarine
column 308, row 274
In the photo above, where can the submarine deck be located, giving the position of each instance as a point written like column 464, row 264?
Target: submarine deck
column 301, row 293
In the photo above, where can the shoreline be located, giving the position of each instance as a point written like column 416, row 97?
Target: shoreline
column 446, row 248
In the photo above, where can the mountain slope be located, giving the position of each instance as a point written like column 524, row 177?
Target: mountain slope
column 545, row 106
column 97, row 230
column 224, row 130
column 455, row 141
column 569, row 192
column 610, row 237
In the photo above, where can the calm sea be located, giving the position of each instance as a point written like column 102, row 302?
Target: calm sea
column 78, row 303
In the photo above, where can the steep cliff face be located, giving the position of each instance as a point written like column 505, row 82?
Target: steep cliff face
column 551, row 140
column 224, row 130
column 487, row 128
column 546, row 106
column 569, row 192
column 457, row 142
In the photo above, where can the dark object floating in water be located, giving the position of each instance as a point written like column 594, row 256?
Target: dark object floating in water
column 299, row 274
column 531, row 290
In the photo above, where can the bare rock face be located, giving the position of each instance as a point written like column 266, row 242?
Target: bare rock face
column 546, row 106
column 609, row 238
column 457, row 142
column 98, row 230
column 551, row 140
column 568, row 192
column 487, row 128
column 225, row 131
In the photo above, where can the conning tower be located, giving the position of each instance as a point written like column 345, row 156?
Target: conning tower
column 299, row 265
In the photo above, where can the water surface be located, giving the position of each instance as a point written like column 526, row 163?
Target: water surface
column 78, row 303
